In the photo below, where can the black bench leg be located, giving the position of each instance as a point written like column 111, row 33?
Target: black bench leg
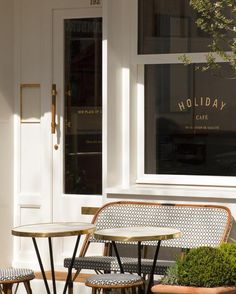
column 118, row 257
column 70, row 285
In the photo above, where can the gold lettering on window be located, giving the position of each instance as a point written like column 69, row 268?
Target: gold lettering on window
column 201, row 117
column 89, row 111
column 214, row 103
column 95, row 2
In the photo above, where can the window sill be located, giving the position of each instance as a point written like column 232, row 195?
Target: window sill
column 149, row 191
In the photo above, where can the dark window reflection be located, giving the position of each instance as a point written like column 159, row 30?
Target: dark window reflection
column 168, row 26
column 83, row 106
column 189, row 121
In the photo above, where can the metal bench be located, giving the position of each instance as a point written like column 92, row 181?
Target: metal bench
column 201, row 225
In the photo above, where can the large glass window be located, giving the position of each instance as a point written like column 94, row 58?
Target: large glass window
column 189, row 121
column 189, row 114
column 168, row 26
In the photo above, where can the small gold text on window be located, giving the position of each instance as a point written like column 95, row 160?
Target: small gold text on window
column 95, row 2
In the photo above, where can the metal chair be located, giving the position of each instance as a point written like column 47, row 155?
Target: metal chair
column 10, row 276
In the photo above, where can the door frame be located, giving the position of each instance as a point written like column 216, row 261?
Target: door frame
column 62, row 201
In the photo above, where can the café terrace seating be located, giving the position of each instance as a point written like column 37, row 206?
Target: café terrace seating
column 201, row 225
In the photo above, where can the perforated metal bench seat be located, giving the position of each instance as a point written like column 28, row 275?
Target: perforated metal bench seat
column 110, row 264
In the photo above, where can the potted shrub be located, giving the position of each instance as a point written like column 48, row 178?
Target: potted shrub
column 204, row 270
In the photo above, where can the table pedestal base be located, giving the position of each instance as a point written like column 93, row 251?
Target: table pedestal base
column 68, row 279
column 150, row 281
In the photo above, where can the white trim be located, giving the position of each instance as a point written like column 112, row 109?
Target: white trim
column 17, row 69
column 62, row 203
column 134, row 30
column 140, row 122
column 195, row 180
column 16, row 121
column 159, row 179
column 179, row 192
column 104, row 92
column 125, row 125
column 172, row 58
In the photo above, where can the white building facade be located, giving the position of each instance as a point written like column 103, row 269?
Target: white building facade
column 126, row 119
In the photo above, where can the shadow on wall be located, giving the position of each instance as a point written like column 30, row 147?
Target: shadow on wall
column 6, row 129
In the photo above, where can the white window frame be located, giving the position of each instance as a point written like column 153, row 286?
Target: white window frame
column 161, row 179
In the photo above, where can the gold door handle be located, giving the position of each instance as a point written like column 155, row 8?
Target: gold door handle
column 53, row 109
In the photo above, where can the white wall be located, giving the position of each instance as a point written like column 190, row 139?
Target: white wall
column 6, row 130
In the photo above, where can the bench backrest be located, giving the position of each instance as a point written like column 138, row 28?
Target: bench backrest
column 201, row 225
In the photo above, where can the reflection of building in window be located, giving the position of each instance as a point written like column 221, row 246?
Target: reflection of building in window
column 169, row 27
column 191, row 121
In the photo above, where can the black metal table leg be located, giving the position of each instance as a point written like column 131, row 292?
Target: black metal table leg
column 52, row 265
column 41, row 265
column 118, row 257
column 139, row 271
column 71, row 264
column 139, row 257
column 153, row 267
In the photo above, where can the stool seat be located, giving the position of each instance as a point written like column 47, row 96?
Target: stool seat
column 114, row 281
column 10, row 276
column 13, row 275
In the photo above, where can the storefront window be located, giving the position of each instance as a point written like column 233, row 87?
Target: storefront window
column 168, row 26
column 189, row 121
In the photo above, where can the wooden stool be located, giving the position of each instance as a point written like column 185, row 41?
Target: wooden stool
column 114, row 281
column 10, row 276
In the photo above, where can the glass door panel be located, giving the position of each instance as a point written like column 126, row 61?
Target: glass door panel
column 83, row 106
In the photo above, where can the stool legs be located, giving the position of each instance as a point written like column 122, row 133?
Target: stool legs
column 7, row 288
column 27, row 287
column 15, row 276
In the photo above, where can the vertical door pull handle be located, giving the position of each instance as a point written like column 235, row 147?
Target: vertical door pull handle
column 53, row 109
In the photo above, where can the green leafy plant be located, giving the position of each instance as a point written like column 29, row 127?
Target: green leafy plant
column 171, row 277
column 204, row 267
column 229, row 251
column 218, row 20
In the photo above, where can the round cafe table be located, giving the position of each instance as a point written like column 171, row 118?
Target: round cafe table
column 49, row 230
column 138, row 234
